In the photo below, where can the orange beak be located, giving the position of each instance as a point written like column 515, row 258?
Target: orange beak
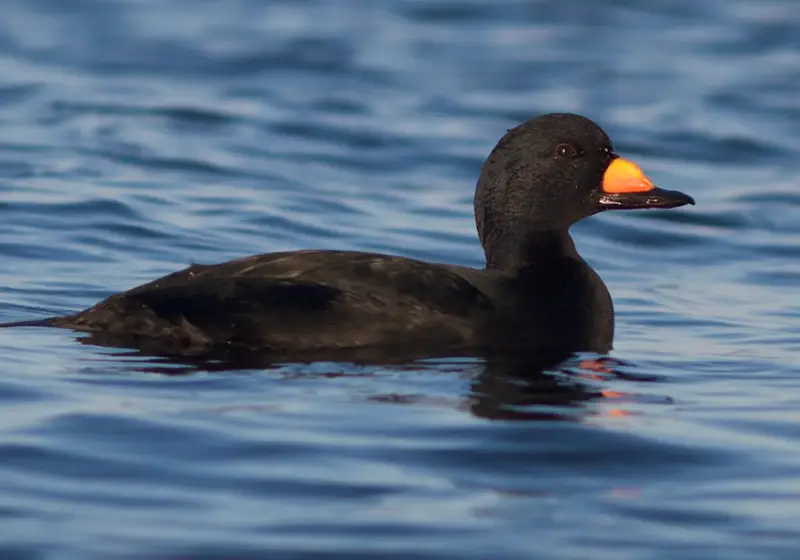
column 625, row 186
column 624, row 176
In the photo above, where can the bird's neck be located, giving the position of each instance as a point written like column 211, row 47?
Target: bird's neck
column 512, row 253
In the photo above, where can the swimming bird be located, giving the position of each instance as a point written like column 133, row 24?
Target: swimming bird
column 535, row 293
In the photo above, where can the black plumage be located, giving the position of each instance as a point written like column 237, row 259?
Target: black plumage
column 535, row 293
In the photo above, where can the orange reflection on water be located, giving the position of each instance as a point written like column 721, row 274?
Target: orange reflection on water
column 617, row 413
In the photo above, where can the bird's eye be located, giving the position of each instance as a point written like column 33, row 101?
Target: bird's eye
column 566, row 151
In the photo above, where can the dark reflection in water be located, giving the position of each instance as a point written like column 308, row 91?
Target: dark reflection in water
column 553, row 388
column 508, row 386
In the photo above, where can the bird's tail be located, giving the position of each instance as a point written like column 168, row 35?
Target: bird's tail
column 46, row 322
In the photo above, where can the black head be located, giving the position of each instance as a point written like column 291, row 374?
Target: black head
column 550, row 172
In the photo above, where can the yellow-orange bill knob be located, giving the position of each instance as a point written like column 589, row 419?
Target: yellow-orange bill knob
column 624, row 176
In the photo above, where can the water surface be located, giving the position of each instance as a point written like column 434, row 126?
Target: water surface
column 138, row 137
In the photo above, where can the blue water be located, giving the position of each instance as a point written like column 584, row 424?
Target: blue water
column 139, row 136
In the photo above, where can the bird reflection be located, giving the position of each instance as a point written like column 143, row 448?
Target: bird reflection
column 553, row 387
column 557, row 386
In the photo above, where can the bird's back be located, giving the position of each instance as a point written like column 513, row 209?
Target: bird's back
column 295, row 301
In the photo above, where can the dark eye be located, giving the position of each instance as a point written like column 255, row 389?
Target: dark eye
column 566, row 151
